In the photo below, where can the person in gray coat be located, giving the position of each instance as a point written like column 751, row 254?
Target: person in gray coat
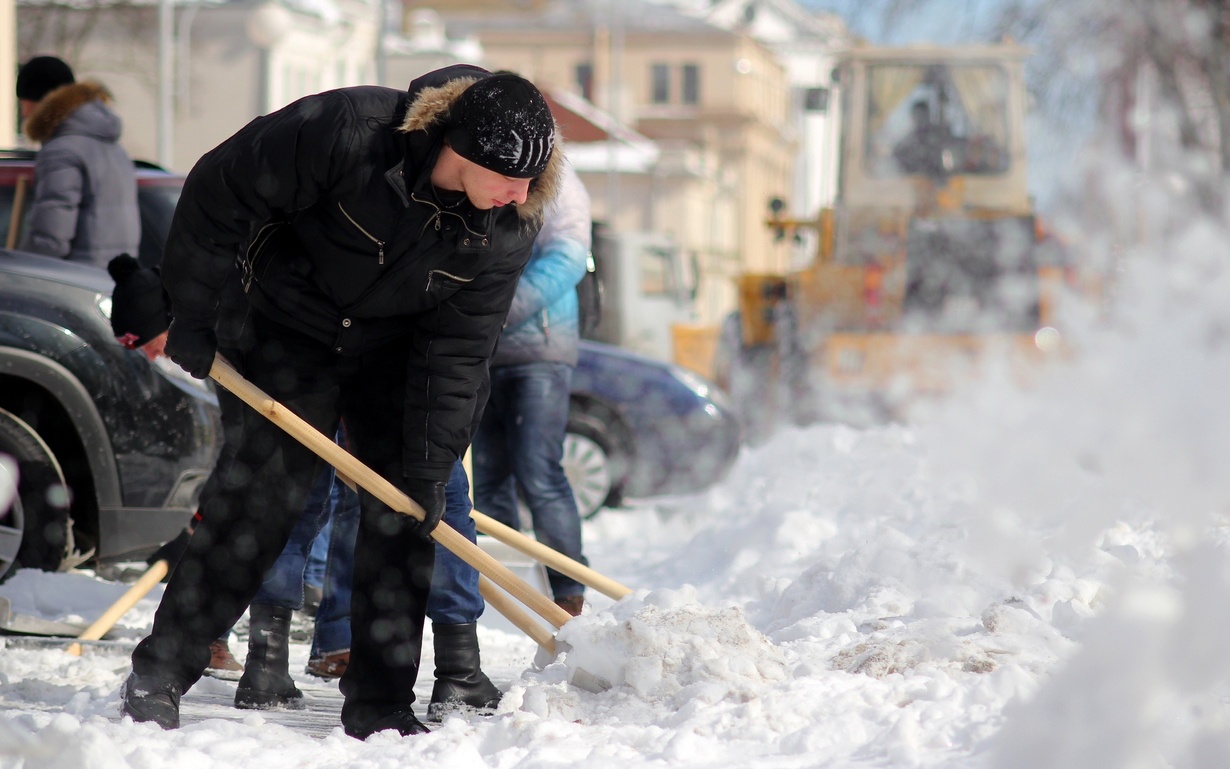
column 84, row 203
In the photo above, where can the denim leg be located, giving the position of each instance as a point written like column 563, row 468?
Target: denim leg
column 283, row 585
column 332, row 629
column 314, row 572
column 536, row 449
column 454, row 597
column 495, row 490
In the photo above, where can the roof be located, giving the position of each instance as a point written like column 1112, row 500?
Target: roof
column 632, row 16
column 596, row 141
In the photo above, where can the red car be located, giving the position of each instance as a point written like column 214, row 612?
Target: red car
column 157, row 193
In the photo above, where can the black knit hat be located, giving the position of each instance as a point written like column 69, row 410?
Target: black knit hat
column 139, row 310
column 42, row 75
column 503, row 124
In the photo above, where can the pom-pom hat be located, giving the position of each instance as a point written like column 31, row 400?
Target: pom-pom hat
column 139, row 310
column 503, row 124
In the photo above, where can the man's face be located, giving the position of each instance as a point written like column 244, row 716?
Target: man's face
column 487, row 189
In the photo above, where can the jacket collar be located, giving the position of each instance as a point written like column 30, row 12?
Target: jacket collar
column 55, row 108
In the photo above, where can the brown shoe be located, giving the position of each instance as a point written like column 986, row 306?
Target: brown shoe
column 222, row 664
column 571, row 604
column 330, row 665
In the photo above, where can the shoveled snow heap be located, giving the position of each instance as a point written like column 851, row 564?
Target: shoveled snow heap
column 668, row 649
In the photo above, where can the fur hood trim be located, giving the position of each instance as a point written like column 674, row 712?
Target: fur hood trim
column 56, row 106
column 428, row 111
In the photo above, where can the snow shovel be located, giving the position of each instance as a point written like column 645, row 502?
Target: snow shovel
column 385, row 491
column 152, row 576
column 12, row 623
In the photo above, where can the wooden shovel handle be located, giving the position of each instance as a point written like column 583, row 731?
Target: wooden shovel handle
column 538, row 551
column 152, row 576
column 549, row 557
column 385, row 491
column 500, row 601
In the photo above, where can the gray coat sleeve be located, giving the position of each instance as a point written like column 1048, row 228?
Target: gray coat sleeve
column 56, row 201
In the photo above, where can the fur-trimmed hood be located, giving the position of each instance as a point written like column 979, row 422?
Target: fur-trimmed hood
column 429, row 111
column 59, row 105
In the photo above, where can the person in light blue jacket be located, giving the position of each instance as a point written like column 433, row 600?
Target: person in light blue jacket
column 520, row 440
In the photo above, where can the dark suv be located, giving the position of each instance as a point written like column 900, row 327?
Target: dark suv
column 111, row 449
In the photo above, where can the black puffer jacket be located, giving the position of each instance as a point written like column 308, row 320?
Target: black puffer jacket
column 328, row 204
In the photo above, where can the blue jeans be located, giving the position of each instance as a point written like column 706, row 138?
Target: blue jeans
column 283, row 584
column 453, row 598
column 314, row 574
column 331, row 632
column 520, row 443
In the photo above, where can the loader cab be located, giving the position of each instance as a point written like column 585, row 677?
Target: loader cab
column 948, row 121
column 932, row 225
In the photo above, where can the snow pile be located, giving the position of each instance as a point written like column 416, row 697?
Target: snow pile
column 668, row 649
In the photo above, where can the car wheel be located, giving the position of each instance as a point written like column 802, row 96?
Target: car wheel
column 34, row 532
column 589, row 472
column 594, row 462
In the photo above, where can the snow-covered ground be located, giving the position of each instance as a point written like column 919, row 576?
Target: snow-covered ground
column 1018, row 579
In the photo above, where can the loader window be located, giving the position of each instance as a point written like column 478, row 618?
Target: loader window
column 936, row 120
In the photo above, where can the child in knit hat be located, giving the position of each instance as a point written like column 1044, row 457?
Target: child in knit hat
column 140, row 314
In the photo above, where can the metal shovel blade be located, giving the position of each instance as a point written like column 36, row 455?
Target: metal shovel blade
column 24, row 624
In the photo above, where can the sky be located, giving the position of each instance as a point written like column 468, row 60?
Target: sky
column 938, row 21
column 1025, row 576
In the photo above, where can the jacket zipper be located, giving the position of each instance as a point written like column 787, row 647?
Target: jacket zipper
column 440, row 212
column 254, row 252
column 379, row 243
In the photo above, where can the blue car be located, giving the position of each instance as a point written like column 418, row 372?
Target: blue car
column 638, row 427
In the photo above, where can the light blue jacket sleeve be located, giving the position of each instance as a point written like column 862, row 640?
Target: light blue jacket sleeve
column 542, row 324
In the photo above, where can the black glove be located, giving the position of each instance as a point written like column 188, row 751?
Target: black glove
column 430, row 496
column 171, row 552
column 192, row 347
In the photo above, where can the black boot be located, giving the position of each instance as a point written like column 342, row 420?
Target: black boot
column 460, row 683
column 266, row 681
column 401, row 721
column 149, row 698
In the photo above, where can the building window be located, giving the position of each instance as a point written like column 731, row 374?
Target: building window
column 691, row 84
column 585, row 80
column 660, row 86
column 816, row 99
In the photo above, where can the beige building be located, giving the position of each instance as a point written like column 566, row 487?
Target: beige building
column 186, row 75
column 715, row 102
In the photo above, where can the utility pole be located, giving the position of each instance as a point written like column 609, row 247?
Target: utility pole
column 8, row 83
column 166, row 83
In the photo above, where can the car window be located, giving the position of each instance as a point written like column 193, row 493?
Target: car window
column 6, row 212
column 7, row 195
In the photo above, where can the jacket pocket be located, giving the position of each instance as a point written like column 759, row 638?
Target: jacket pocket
column 442, row 280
